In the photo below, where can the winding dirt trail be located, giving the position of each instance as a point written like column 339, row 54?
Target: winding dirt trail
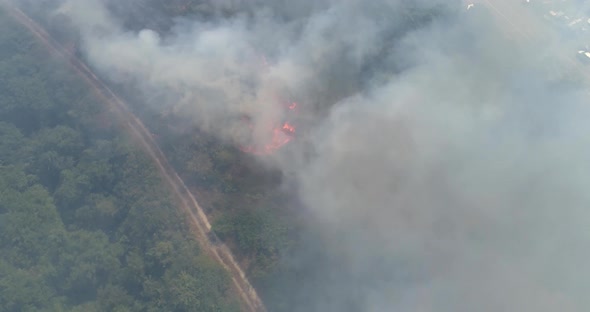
column 218, row 251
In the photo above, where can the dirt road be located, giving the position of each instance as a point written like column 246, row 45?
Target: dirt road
column 219, row 252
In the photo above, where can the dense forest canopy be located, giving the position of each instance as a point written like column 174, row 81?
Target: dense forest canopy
column 440, row 162
column 86, row 224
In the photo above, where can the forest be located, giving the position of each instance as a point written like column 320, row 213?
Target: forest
column 439, row 161
column 86, row 224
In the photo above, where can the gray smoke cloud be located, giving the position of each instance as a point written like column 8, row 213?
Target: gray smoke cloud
column 439, row 144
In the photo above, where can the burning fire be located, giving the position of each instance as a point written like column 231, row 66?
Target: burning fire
column 279, row 133
column 288, row 128
column 282, row 133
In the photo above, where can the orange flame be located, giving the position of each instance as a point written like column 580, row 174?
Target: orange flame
column 281, row 135
column 288, row 128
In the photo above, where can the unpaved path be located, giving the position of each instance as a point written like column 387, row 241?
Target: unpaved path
column 218, row 251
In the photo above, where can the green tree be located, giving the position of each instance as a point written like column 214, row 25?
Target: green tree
column 86, row 223
column 86, row 261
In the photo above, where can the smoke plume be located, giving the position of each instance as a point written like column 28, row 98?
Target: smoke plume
column 445, row 158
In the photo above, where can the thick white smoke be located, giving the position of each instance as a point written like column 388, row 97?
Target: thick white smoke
column 443, row 141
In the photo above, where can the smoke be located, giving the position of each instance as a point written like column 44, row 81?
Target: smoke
column 445, row 159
